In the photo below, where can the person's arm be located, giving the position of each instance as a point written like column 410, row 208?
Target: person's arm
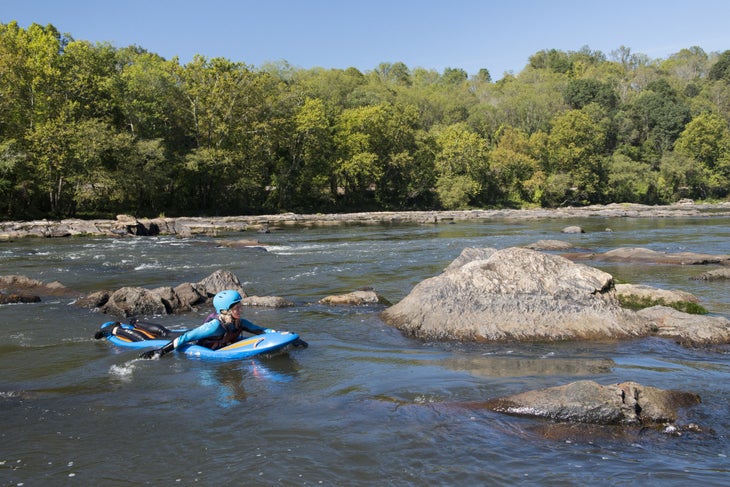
column 203, row 331
column 257, row 330
column 251, row 328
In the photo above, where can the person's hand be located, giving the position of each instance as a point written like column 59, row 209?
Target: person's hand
column 148, row 354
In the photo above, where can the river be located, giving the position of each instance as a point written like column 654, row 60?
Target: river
column 363, row 405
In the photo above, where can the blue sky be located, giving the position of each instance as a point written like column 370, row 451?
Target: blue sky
column 466, row 34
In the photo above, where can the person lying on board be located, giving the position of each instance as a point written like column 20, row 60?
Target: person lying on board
column 222, row 329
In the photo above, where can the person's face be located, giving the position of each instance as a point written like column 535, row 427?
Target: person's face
column 236, row 310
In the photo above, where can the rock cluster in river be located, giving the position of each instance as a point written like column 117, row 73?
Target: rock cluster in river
column 138, row 301
column 519, row 294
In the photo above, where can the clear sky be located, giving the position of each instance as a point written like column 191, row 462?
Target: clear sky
column 499, row 35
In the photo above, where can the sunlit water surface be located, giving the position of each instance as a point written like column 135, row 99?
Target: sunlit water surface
column 363, row 405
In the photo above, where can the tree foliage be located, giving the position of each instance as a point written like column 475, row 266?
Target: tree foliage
column 90, row 129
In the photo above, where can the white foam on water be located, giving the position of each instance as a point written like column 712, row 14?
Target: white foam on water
column 124, row 371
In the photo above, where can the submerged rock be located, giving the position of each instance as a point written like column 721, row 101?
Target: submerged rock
column 628, row 403
column 642, row 255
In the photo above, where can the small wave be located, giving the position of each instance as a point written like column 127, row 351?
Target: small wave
column 124, row 371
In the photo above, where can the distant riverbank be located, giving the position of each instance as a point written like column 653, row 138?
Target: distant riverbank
column 125, row 225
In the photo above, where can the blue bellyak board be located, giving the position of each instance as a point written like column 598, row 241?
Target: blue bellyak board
column 128, row 336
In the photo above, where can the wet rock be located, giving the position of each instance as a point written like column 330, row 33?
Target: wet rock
column 573, row 229
column 94, row 300
column 714, row 275
column 14, row 283
column 516, row 294
column 688, row 329
column 628, row 403
column 19, row 298
column 133, row 301
column 642, row 255
column 355, row 298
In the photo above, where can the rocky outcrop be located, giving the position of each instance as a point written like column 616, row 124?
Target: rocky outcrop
column 126, row 225
column 628, row 403
column 648, row 256
column 516, row 294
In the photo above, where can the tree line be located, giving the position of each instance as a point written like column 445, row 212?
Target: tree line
column 88, row 129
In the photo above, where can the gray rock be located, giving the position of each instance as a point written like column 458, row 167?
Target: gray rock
column 714, row 275
column 628, row 403
column 550, row 245
column 516, row 294
column 355, row 298
column 219, row 281
column 640, row 291
column 266, row 302
column 688, row 329
column 133, row 301
column 641, row 255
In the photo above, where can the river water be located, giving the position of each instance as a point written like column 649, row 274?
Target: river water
column 363, row 405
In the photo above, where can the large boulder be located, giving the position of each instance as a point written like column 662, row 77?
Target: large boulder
column 628, row 403
column 516, row 294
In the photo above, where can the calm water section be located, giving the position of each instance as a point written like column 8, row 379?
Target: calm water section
column 363, row 405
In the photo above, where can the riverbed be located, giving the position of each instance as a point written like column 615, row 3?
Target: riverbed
column 363, row 405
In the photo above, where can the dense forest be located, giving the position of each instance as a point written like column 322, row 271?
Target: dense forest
column 89, row 129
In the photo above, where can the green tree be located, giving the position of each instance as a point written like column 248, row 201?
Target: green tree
column 631, row 181
column 29, row 63
column 462, row 167
column 679, row 177
column 577, row 142
column 706, row 139
column 305, row 177
column 515, row 168
column 721, row 69
column 581, row 92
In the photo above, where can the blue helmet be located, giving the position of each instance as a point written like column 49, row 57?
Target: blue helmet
column 224, row 300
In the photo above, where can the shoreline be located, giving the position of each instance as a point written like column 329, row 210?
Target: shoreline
column 126, row 225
